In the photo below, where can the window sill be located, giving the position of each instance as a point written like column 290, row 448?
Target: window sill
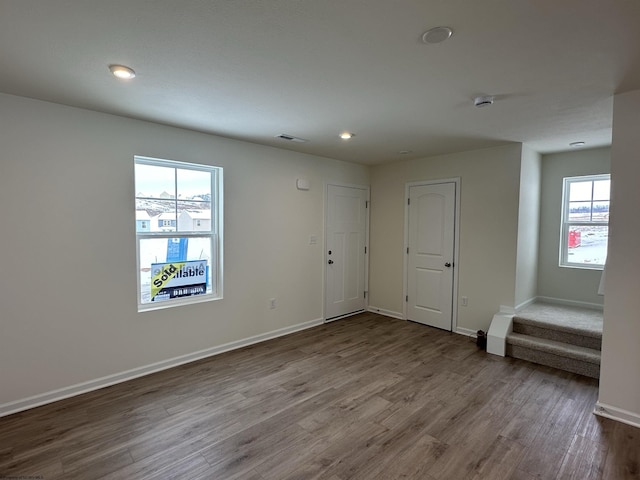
column 147, row 307
column 583, row 267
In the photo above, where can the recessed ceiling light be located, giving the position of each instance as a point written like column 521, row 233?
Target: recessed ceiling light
column 577, row 144
column 404, row 152
column 436, row 35
column 347, row 135
column 122, row 72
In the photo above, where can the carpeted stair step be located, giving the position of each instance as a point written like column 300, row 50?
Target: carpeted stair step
column 572, row 325
column 536, row 328
column 571, row 358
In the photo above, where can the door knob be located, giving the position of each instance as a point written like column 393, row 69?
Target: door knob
column 330, row 262
column 447, row 264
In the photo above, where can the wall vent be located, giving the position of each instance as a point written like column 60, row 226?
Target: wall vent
column 291, row 138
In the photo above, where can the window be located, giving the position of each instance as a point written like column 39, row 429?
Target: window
column 178, row 264
column 585, row 221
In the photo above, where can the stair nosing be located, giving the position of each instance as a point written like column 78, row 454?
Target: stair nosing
column 555, row 348
column 556, row 327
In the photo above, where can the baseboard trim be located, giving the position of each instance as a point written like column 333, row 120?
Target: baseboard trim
column 386, row 313
column 501, row 326
column 340, row 317
column 91, row 385
column 571, row 303
column 507, row 310
column 467, row 332
column 618, row 414
column 526, row 304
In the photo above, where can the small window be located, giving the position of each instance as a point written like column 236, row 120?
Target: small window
column 585, row 221
column 178, row 264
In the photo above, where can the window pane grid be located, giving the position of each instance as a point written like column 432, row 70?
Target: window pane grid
column 586, row 224
column 178, row 256
column 584, row 232
column 173, row 234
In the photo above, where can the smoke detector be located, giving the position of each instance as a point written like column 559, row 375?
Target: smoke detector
column 483, row 101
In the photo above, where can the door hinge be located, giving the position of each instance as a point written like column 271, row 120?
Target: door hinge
column 408, row 201
column 407, row 250
column 365, row 294
column 366, row 204
column 406, row 299
column 365, row 249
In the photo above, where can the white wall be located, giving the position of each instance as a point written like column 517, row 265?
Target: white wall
column 68, row 283
column 573, row 284
column 488, row 229
column 619, row 375
column 528, row 227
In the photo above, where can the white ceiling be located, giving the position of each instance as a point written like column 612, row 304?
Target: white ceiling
column 253, row 69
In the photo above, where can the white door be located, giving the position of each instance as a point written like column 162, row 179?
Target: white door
column 430, row 254
column 345, row 254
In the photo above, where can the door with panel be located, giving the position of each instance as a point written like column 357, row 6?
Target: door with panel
column 345, row 258
column 430, row 251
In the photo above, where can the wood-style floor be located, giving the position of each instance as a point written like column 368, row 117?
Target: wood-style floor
column 366, row 397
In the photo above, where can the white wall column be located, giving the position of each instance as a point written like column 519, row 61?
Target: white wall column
column 619, row 379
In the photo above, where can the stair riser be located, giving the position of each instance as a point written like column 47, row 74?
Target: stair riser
column 558, row 336
column 563, row 363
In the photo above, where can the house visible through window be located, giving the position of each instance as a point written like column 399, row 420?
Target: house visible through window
column 176, row 262
column 585, row 221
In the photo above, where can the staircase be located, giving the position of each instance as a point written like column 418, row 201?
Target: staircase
column 563, row 337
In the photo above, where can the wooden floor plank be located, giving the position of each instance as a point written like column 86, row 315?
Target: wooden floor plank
column 584, row 460
column 623, row 453
column 366, row 397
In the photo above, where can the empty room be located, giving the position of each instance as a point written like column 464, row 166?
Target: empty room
column 285, row 239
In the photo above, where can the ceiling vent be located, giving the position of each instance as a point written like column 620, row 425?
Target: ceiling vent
column 483, row 101
column 291, row 138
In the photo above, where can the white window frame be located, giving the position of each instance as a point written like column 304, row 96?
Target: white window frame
column 566, row 224
column 215, row 234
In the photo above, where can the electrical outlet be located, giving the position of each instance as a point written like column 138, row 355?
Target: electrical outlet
column 465, row 301
column 272, row 303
